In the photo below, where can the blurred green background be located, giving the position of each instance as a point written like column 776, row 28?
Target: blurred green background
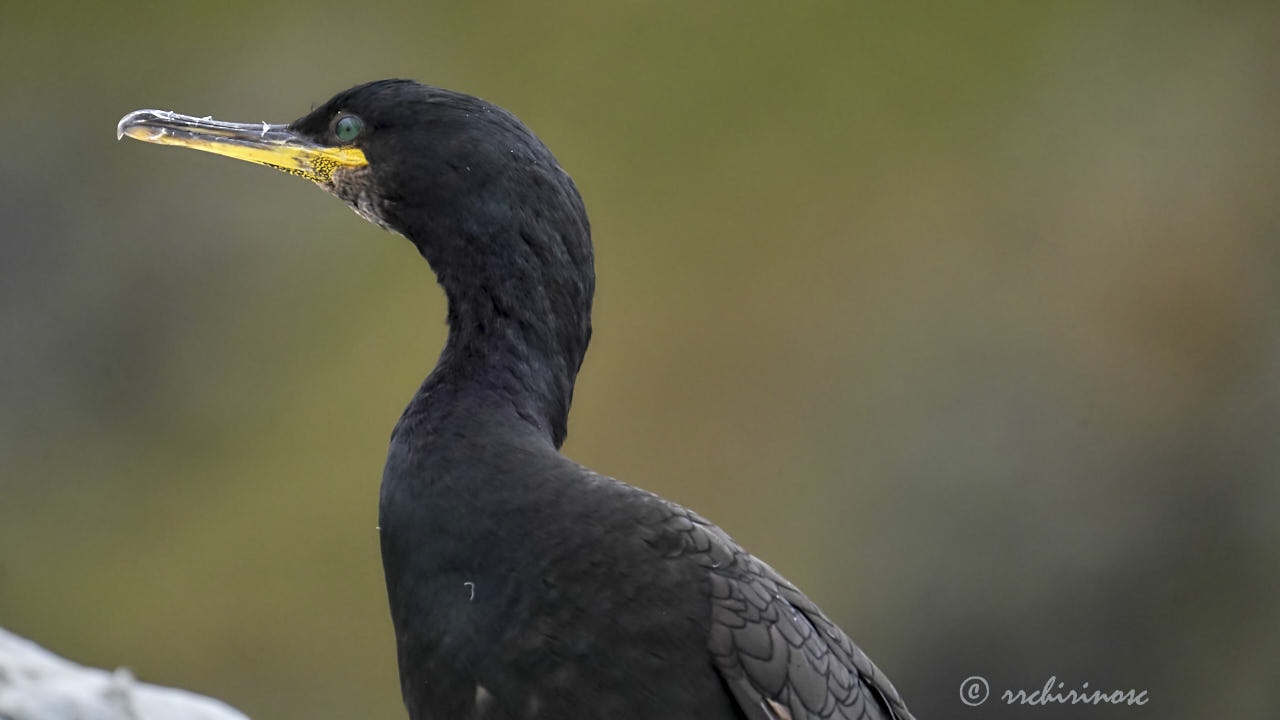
column 964, row 316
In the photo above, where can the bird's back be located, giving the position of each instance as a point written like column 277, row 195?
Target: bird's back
column 534, row 588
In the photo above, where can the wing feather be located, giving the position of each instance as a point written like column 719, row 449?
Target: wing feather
column 779, row 655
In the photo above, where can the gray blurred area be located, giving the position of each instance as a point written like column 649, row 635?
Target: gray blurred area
column 966, row 317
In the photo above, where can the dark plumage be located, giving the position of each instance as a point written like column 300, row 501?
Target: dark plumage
column 521, row 584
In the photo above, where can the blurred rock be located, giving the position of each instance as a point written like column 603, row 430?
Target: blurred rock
column 35, row 684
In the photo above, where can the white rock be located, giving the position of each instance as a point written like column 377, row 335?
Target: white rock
column 35, row 684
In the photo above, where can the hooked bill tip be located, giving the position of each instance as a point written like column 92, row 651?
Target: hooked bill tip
column 134, row 124
column 128, row 122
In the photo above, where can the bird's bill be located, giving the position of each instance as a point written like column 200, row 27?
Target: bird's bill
column 272, row 145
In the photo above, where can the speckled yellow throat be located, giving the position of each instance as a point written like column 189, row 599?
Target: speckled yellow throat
column 275, row 146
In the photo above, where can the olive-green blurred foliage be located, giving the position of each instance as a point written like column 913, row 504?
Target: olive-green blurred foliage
column 964, row 316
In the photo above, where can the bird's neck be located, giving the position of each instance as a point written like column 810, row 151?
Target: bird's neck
column 511, row 359
column 517, row 267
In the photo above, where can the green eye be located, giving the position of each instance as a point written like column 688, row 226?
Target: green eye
column 348, row 127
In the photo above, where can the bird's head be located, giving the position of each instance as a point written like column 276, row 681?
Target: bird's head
column 455, row 174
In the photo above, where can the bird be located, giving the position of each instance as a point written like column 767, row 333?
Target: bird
column 522, row 584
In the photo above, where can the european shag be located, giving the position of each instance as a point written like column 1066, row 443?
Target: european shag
column 521, row 584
